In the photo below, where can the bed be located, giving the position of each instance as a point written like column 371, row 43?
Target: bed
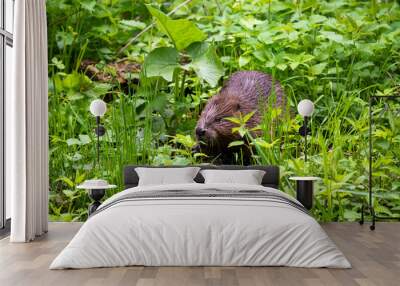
column 198, row 224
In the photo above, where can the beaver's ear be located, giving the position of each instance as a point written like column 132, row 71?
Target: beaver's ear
column 236, row 103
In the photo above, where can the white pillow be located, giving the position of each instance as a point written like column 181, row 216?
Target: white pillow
column 166, row 176
column 248, row 177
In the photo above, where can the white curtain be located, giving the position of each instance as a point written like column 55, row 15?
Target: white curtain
column 27, row 134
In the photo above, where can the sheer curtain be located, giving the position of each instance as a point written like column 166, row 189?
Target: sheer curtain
column 27, row 143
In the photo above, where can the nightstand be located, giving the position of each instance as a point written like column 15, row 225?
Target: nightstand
column 96, row 190
column 305, row 190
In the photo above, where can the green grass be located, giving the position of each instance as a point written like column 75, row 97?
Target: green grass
column 336, row 53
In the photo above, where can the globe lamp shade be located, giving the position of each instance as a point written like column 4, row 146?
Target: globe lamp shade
column 305, row 108
column 98, row 107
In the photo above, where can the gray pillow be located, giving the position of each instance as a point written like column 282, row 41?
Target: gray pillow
column 166, row 176
column 248, row 177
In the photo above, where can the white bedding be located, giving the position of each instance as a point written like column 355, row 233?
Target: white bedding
column 200, row 231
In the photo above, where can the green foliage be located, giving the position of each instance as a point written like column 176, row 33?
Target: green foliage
column 336, row 53
column 182, row 32
column 162, row 62
column 184, row 35
column 205, row 62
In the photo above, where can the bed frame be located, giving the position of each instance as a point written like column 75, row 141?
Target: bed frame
column 270, row 179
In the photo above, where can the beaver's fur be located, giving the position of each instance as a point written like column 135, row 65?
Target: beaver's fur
column 243, row 92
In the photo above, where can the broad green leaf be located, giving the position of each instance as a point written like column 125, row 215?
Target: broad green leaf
column 318, row 68
column 243, row 60
column 73, row 141
column 182, row 32
column 67, row 181
column 72, row 81
column 334, row 37
column 180, row 161
column 300, row 59
column 302, row 25
column 185, row 140
column 85, row 139
column 76, row 81
column 363, row 65
column 225, row 59
column 64, row 39
column 161, row 62
column 205, row 62
column 76, row 157
column 69, row 193
column 315, row 19
column 294, row 65
column 351, row 215
column 259, row 55
column 88, row 5
column 250, row 22
column 74, row 96
column 133, row 24
column 282, row 67
column 101, row 88
column 266, row 37
column 159, row 102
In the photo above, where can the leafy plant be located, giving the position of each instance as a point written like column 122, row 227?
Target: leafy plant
column 188, row 45
column 336, row 53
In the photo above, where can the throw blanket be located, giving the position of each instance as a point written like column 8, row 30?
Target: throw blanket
column 212, row 193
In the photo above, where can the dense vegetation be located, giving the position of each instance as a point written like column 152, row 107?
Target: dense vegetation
column 336, row 53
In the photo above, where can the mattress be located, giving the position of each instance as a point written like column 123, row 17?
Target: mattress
column 201, row 225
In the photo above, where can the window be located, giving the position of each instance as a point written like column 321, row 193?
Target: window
column 6, row 62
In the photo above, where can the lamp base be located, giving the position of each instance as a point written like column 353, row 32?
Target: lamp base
column 96, row 195
column 304, row 193
column 304, row 130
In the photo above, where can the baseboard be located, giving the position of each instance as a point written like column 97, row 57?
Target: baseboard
column 5, row 231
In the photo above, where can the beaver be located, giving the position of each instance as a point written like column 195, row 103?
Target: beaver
column 243, row 92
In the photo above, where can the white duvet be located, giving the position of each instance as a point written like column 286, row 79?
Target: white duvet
column 200, row 231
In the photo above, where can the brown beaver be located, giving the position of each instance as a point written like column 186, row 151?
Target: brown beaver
column 243, row 92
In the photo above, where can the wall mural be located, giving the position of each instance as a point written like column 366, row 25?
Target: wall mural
column 193, row 82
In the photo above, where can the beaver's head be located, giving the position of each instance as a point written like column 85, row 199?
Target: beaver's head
column 213, row 130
